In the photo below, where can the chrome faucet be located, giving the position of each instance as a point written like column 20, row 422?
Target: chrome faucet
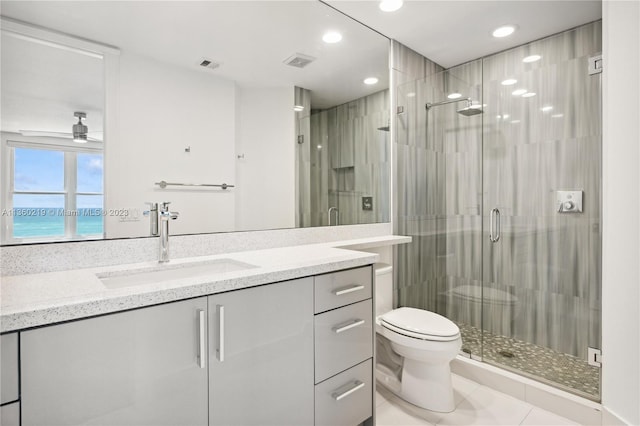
column 331, row 210
column 164, row 215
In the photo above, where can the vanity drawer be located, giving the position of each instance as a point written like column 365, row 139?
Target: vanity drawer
column 346, row 399
column 342, row 288
column 9, row 368
column 343, row 338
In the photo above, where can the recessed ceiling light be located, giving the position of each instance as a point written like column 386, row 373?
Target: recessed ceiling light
column 332, row 37
column 519, row 92
column 411, row 95
column 557, row 116
column 503, row 31
column 454, row 95
column 390, row 5
column 546, row 108
column 370, row 80
column 515, row 121
column 298, row 108
column 528, row 95
column 509, row 82
column 319, row 147
column 532, row 58
column 505, row 116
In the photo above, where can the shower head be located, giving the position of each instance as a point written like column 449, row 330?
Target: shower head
column 467, row 111
column 470, row 110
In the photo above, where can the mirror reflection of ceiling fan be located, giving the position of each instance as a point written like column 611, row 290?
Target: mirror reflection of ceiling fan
column 79, row 131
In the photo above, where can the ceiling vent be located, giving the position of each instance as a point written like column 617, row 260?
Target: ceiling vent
column 299, row 60
column 208, row 63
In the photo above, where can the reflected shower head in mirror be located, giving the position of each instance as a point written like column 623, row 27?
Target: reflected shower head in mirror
column 469, row 110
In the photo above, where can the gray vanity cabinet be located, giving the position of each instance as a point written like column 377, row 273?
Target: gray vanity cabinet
column 295, row 352
column 261, row 355
column 344, row 347
column 140, row 367
column 9, row 376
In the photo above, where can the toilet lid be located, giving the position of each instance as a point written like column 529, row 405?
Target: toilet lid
column 420, row 322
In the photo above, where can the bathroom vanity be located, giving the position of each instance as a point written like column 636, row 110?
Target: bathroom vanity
column 286, row 340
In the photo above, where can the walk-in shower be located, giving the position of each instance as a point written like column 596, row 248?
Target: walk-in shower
column 528, row 301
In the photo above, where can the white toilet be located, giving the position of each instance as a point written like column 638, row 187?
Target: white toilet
column 414, row 349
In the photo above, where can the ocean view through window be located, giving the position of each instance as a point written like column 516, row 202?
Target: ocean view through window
column 56, row 194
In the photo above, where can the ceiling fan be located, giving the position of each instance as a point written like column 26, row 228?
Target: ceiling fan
column 79, row 131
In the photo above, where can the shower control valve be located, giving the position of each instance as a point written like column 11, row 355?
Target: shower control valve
column 569, row 201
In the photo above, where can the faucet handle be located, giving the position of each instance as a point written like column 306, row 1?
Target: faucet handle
column 165, row 206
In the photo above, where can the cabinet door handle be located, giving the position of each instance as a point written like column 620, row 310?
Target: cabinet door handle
column 356, row 385
column 346, row 290
column 344, row 327
column 220, row 349
column 202, row 344
column 494, row 218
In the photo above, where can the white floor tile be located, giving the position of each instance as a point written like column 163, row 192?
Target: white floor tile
column 539, row 417
column 485, row 406
column 390, row 414
column 409, row 411
column 462, row 388
column 382, row 395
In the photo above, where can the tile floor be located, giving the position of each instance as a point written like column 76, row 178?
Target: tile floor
column 475, row 405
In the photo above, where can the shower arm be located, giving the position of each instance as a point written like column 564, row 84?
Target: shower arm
column 450, row 101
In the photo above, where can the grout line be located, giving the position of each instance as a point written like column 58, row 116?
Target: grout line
column 527, row 415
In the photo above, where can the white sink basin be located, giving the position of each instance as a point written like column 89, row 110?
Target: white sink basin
column 159, row 273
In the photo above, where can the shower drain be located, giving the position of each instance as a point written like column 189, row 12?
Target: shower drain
column 506, row 354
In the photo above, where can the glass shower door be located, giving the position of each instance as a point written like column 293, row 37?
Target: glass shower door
column 541, row 210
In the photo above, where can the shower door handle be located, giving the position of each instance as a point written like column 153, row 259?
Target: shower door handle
column 494, row 225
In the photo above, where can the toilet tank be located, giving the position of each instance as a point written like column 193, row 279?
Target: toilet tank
column 384, row 287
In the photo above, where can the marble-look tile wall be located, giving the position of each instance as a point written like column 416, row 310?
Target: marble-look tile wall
column 549, row 262
column 541, row 282
column 350, row 160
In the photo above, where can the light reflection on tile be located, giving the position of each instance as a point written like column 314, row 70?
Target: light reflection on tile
column 475, row 405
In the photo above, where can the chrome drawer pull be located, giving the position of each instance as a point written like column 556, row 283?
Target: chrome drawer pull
column 202, row 343
column 220, row 348
column 346, row 290
column 357, row 384
column 351, row 324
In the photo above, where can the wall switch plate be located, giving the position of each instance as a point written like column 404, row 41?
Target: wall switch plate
column 367, row 203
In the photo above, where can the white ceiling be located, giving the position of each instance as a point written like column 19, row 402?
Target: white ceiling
column 250, row 38
column 452, row 32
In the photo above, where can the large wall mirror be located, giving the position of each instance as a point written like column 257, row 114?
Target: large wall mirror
column 107, row 106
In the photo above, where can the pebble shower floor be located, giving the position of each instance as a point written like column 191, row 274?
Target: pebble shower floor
column 569, row 372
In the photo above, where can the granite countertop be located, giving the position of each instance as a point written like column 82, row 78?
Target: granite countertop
column 47, row 298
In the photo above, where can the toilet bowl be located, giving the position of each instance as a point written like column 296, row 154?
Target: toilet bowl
column 423, row 342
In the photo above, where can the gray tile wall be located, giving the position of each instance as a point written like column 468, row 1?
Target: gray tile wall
column 303, row 158
column 350, row 160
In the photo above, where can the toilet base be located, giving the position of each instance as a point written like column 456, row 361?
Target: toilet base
column 434, row 393
column 428, row 385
